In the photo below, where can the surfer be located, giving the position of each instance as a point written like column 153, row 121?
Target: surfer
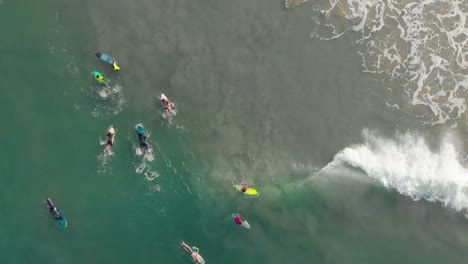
column 194, row 252
column 144, row 146
column 167, row 105
column 108, row 59
column 238, row 220
column 52, row 209
column 244, row 187
column 115, row 66
column 110, row 139
column 98, row 76
column 141, row 132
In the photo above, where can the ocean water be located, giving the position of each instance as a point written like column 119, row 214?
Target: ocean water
column 349, row 118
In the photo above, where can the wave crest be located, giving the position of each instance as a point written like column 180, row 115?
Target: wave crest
column 408, row 165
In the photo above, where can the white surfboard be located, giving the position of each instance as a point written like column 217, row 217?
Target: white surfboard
column 245, row 224
column 112, row 131
column 167, row 114
column 107, row 148
column 199, row 259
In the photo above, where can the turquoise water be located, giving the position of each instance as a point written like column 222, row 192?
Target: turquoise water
column 258, row 100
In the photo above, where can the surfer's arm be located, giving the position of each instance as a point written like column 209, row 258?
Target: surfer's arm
column 186, row 247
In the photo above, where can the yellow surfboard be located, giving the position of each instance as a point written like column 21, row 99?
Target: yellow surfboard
column 249, row 191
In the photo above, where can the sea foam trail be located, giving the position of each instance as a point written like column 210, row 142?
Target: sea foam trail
column 424, row 43
column 293, row 3
column 407, row 164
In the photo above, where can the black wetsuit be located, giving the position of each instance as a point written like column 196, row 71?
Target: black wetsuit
column 109, row 139
column 52, row 210
column 143, row 144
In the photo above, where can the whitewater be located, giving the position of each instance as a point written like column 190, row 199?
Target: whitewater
column 408, row 164
column 422, row 45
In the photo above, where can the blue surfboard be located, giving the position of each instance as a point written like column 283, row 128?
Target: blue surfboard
column 62, row 222
column 105, row 58
column 140, row 130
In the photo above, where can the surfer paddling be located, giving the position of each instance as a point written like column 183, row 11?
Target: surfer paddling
column 240, row 221
column 53, row 209
column 167, row 105
column 110, row 140
column 108, row 59
column 100, row 79
column 142, row 136
column 194, row 252
column 244, row 187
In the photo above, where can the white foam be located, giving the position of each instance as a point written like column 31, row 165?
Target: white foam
column 151, row 175
column 138, row 151
column 140, row 167
column 407, row 164
column 103, row 94
column 423, row 43
column 107, row 105
column 293, row 3
column 149, row 155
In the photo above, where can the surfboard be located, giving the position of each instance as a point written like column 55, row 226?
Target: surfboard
column 139, row 129
column 249, row 191
column 244, row 222
column 112, row 131
column 163, row 97
column 200, row 259
column 62, row 222
column 97, row 75
column 105, row 58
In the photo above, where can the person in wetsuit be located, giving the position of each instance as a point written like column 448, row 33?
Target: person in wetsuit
column 52, row 209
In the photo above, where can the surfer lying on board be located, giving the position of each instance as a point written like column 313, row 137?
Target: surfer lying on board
column 167, row 106
column 106, row 58
column 238, row 220
column 98, row 76
column 142, row 135
column 244, row 187
column 110, row 139
column 193, row 251
column 52, row 209
column 143, row 145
